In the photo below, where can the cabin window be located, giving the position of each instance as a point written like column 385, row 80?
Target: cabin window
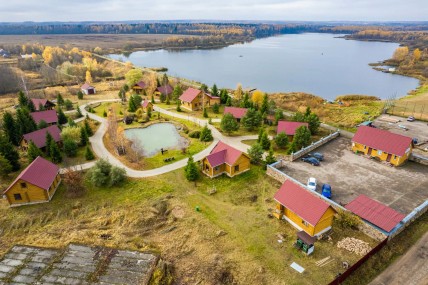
column 216, row 168
column 236, row 167
column 365, row 147
column 17, row 197
column 379, row 152
column 395, row 157
column 23, row 185
column 305, row 223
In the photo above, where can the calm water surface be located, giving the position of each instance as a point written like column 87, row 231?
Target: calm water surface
column 320, row 64
column 150, row 140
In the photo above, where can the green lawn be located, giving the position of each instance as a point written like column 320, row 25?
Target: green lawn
column 117, row 106
column 198, row 114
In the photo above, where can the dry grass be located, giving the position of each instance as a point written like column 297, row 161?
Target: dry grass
column 231, row 236
column 415, row 104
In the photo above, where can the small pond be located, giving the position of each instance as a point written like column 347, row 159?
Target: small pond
column 149, row 141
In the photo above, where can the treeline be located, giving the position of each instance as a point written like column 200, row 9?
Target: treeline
column 412, row 39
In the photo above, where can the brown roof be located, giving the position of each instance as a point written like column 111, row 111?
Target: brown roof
column 190, row 94
column 86, row 86
column 48, row 116
column 289, row 128
column 40, row 172
column 301, row 202
column 39, row 137
column 382, row 140
column 223, row 153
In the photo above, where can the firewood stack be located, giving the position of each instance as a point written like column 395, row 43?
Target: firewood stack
column 354, row 245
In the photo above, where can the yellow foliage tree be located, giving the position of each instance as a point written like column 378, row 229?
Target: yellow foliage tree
column 47, row 55
column 416, row 54
column 257, row 97
column 400, row 53
column 88, row 76
column 238, row 92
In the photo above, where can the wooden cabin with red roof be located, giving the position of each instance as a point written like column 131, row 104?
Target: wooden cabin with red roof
column 236, row 112
column 146, row 105
column 375, row 213
column 49, row 116
column 289, row 128
column 139, row 87
column 303, row 210
column 225, row 159
column 42, row 104
column 36, row 184
column 383, row 145
column 164, row 89
column 194, row 99
column 39, row 137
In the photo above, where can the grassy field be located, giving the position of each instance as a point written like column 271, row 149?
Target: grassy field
column 197, row 114
column 230, row 238
column 415, row 104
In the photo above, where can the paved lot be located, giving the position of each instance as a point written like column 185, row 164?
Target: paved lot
column 416, row 129
column 349, row 175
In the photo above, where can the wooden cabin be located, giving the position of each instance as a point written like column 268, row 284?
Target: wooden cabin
column 302, row 209
column 39, row 137
column 289, row 128
column 36, row 184
column 42, row 104
column 49, row 116
column 139, row 87
column 165, row 90
column 225, row 159
column 382, row 145
column 146, row 105
column 88, row 89
column 194, row 99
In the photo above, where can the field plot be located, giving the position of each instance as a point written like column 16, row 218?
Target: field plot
column 402, row 188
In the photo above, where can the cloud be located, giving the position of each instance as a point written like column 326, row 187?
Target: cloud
column 116, row 10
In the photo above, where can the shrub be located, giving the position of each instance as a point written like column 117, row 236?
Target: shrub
column 256, row 153
column 104, row 174
column 346, row 219
column 117, row 176
column 206, row 135
column 88, row 154
column 70, row 147
column 72, row 133
column 195, row 134
column 281, row 140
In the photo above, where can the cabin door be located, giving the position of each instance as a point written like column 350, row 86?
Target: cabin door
column 388, row 158
column 370, row 151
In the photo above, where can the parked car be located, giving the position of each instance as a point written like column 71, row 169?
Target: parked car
column 317, row 155
column 410, row 119
column 326, row 190
column 312, row 184
column 311, row 160
column 403, row 127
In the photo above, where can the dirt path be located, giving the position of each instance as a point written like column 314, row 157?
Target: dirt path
column 410, row 269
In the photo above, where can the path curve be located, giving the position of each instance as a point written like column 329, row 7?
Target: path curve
column 101, row 151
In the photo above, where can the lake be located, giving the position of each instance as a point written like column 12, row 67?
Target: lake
column 321, row 64
column 150, row 140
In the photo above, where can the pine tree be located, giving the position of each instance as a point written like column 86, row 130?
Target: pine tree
column 264, row 108
column 302, row 137
column 255, row 152
column 8, row 151
column 59, row 99
column 191, row 170
column 83, row 137
column 205, row 113
column 270, row 158
column 264, row 141
column 41, row 107
column 216, row 108
column 68, row 105
column 178, row 106
column 131, row 105
column 281, row 140
column 104, row 113
column 153, row 99
column 24, row 122
column 42, row 124
column 70, row 147
column 5, row 166
column 252, row 119
column 88, row 129
column 80, row 95
column 10, row 128
column 62, row 118
column 177, row 92
column 206, row 135
column 224, row 96
column 79, row 113
column 33, row 152
column 88, row 154
column 55, row 153
column 31, row 106
column 229, row 101
column 229, row 124
column 22, row 99
column 214, row 90
column 49, row 142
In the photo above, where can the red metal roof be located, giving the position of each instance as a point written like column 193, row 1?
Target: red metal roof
column 48, row 116
column 86, row 86
column 223, row 153
column 40, row 172
column 39, row 137
column 145, row 103
column 212, row 96
column 374, row 212
column 141, row 84
column 236, row 112
column 165, row 89
column 289, row 128
column 382, row 140
column 190, row 94
column 301, row 202
column 37, row 102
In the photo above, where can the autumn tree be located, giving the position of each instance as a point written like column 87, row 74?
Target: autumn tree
column 133, row 76
column 151, row 83
column 238, row 92
column 416, row 54
column 88, row 76
column 74, row 183
column 400, row 53
column 257, row 98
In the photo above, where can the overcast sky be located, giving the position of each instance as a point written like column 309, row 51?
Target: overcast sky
column 306, row 10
